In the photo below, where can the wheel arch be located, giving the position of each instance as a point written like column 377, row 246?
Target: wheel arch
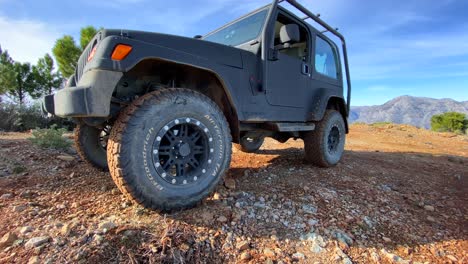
column 175, row 74
column 338, row 104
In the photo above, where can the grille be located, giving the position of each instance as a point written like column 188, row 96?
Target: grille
column 83, row 60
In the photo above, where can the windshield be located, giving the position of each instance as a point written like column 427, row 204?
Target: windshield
column 241, row 31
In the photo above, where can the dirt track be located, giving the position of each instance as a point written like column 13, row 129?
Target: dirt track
column 400, row 195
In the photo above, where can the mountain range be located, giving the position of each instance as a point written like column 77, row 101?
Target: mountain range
column 416, row 111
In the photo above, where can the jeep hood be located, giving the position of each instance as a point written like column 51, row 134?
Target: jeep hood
column 196, row 47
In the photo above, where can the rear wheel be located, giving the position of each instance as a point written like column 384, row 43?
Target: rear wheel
column 91, row 144
column 169, row 149
column 324, row 146
column 250, row 144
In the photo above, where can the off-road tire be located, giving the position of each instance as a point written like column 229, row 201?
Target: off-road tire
column 88, row 146
column 138, row 170
column 248, row 145
column 317, row 143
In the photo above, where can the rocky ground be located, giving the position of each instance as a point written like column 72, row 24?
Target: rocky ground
column 400, row 195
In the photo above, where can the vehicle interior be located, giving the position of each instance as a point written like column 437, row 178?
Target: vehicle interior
column 291, row 38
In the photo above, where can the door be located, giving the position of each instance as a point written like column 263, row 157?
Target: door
column 286, row 82
column 287, row 71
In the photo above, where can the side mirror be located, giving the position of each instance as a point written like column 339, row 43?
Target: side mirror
column 290, row 34
column 197, row 36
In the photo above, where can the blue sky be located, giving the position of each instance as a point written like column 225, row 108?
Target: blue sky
column 411, row 47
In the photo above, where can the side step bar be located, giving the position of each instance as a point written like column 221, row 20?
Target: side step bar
column 292, row 127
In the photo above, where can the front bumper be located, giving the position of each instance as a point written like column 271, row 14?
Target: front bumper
column 91, row 97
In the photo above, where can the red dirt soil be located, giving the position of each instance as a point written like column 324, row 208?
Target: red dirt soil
column 400, row 195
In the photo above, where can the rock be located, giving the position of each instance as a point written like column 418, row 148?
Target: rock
column 339, row 254
column 316, row 248
column 343, row 237
column 230, row 183
column 65, row 157
column 309, row 209
column 391, row 257
column 216, row 196
column 312, row 222
column 429, row 208
column 6, row 196
column 34, row 260
column 243, row 245
column 386, row 239
column 98, row 239
column 106, row 226
column 207, row 216
column 375, row 257
column 268, row 253
column 298, row 256
column 36, row 242
column 19, row 208
column 430, row 219
column 7, row 240
column 65, row 230
column 26, row 194
column 26, row 229
column 245, row 256
column 222, row 219
column 368, row 222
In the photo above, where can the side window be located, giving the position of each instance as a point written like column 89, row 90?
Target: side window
column 325, row 58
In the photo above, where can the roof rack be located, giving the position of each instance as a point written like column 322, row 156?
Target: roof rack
column 330, row 29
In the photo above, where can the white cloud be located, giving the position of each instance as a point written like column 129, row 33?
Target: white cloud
column 26, row 40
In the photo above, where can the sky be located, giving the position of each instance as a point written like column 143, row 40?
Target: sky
column 396, row 47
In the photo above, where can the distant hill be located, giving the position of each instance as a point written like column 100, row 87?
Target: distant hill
column 416, row 111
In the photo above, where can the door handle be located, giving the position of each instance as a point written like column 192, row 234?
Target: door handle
column 306, row 69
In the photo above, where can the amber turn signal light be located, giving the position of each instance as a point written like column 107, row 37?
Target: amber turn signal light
column 121, row 51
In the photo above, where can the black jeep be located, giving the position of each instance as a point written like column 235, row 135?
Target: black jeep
column 160, row 111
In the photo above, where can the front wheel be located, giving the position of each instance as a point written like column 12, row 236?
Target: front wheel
column 91, row 143
column 324, row 146
column 169, row 149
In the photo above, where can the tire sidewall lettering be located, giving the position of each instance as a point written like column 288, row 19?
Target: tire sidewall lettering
column 147, row 160
column 219, row 147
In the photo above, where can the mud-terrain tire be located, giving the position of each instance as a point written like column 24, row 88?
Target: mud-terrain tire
column 90, row 146
column 250, row 144
column 324, row 146
column 169, row 149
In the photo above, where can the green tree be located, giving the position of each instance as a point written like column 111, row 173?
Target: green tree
column 45, row 77
column 449, row 122
column 24, row 83
column 86, row 34
column 16, row 78
column 7, row 73
column 67, row 52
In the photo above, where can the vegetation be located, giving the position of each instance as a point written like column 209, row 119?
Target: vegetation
column 50, row 138
column 67, row 52
column 47, row 79
column 449, row 122
column 380, row 124
column 18, row 80
column 14, row 117
column 21, row 82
